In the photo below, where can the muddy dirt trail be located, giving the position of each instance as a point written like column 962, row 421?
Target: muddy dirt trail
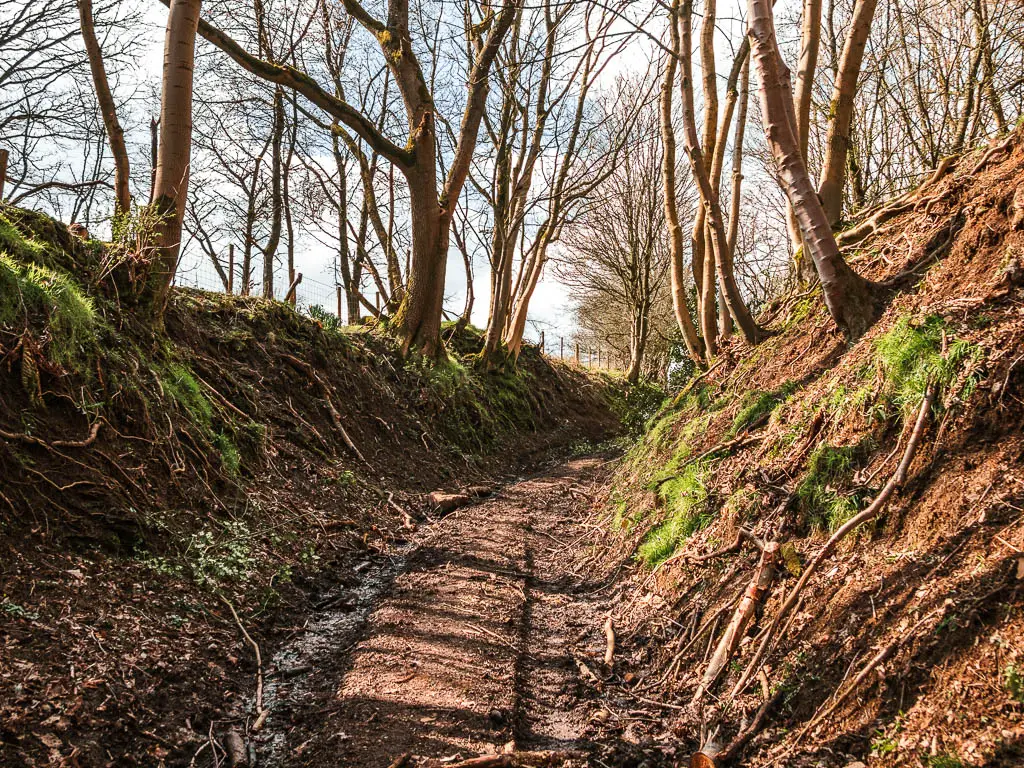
column 479, row 639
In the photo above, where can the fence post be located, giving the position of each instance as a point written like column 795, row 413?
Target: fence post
column 561, row 348
column 231, row 267
column 3, row 171
column 543, row 346
column 339, row 302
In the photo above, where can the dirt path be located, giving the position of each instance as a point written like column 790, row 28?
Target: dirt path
column 470, row 646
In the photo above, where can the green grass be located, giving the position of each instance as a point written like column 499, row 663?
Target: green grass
column 910, row 355
column 183, row 387
column 687, row 512
column 820, row 495
column 30, row 291
column 756, row 404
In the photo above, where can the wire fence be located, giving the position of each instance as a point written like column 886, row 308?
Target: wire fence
column 330, row 298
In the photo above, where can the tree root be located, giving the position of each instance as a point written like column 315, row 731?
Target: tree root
column 873, row 510
column 902, row 204
column 335, row 416
column 21, row 436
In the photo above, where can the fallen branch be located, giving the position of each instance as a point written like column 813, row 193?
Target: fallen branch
column 609, row 635
column 448, row 502
column 518, row 760
column 711, row 756
column 873, row 510
column 759, row 586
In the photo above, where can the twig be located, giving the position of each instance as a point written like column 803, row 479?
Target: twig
column 873, row 510
column 259, row 662
column 609, row 634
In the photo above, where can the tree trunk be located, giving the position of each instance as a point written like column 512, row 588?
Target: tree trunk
column 276, row 195
column 810, row 42
column 108, row 110
column 708, row 195
column 170, row 188
column 848, row 296
column 675, row 231
column 418, row 318
column 833, row 172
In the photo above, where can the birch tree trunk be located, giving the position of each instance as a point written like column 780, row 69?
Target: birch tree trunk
column 848, row 296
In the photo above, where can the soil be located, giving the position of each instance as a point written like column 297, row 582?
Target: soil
column 488, row 640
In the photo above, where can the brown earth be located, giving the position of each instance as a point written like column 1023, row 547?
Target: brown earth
column 488, row 641
column 936, row 582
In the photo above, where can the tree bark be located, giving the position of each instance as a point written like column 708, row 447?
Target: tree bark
column 837, row 143
column 276, row 195
column 709, row 196
column 170, row 188
column 668, row 169
column 108, row 110
column 848, row 296
column 810, row 42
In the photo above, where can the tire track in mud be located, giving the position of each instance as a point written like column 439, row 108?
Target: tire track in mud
column 460, row 645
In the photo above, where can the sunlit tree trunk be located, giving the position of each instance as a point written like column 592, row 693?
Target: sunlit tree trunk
column 848, row 296
column 170, row 188
column 837, row 143
column 677, row 259
column 810, row 42
column 709, row 196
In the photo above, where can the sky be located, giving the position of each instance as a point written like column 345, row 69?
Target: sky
column 551, row 307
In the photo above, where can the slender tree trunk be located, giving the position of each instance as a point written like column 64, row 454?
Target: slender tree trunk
column 708, row 195
column 810, row 42
column 108, row 110
column 837, row 143
column 981, row 19
column 675, row 231
column 170, row 188
column 737, row 159
column 848, row 296
column 276, row 194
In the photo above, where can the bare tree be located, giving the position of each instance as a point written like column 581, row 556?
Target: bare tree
column 418, row 319
column 616, row 254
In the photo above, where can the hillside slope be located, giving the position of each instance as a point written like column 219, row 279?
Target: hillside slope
column 249, row 461
column 906, row 644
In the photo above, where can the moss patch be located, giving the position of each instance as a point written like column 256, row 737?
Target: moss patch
column 686, row 502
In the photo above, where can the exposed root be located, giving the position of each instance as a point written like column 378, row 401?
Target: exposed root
column 22, row 437
column 335, row 416
column 873, row 510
